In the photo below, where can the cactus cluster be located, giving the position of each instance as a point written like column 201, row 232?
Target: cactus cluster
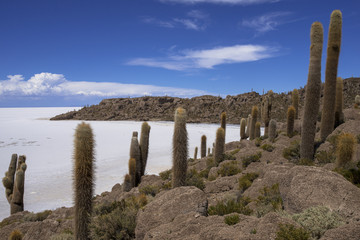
column 14, row 181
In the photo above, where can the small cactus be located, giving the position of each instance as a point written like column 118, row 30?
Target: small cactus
column 257, row 130
column 295, row 102
column 136, row 154
column 272, row 130
column 290, row 121
column 180, row 149
column 339, row 102
column 209, row 151
column 144, row 145
column 254, row 116
column 242, row 129
column 345, row 149
column 312, row 93
column 333, row 52
column 83, row 179
column 203, row 146
column 132, row 172
column 195, row 153
column 16, row 235
column 127, row 183
column 219, row 145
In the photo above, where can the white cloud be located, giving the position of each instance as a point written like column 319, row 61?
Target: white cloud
column 49, row 84
column 190, row 59
column 188, row 23
column 166, row 24
column 240, row 2
column 266, row 22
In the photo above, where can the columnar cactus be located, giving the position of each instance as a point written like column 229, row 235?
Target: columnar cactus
column 219, row 145
column 127, row 183
column 242, row 129
column 132, row 172
column 345, row 149
column 83, row 179
column 209, row 151
column 290, row 121
column 248, row 126
column 339, row 102
column 312, row 94
column 203, row 146
column 266, row 111
column 333, row 51
column 254, row 115
column 180, row 149
column 272, row 130
column 195, row 153
column 257, row 130
column 136, row 154
column 223, row 121
column 295, row 102
column 144, row 145
column 13, row 182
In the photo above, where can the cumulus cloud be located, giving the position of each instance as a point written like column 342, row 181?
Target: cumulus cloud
column 195, row 59
column 266, row 22
column 49, row 84
column 239, row 2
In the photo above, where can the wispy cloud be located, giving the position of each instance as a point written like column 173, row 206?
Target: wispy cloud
column 239, row 2
column 195, row 59
column 194, row 20
column 266, row 22
column 49, row 84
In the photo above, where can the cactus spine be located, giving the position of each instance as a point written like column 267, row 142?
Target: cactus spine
column 14, row 181
column 272, row 130
column 333, row 51
column 195, row 153
column 339, row 102
column 180, row 148
column 219, row 145
column 203, row 146
column 242, row 129
column 83, row 179
column 223, row 121
column 290, row 121
column 345, row 149
column 254, row 115
column 144, row 145
column 295, row 102
column 257, row 130
column 136, row 154
column 312, row 94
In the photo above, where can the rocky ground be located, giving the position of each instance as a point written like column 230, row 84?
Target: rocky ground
column 204, row 109
column 283, row 191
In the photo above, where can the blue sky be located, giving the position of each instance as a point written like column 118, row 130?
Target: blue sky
column 73, row 53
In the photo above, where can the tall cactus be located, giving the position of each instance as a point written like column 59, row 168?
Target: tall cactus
column 127, row 183
column 257, row 129
column 136, row 154
column 290, row 121
column 339, row 102
column 132, row 172
column 14, row 181
column 219, row 145
column 254, row 116
column 195, row 153
column 223, row 121
column 266, row 111
column 248, row 126
column 144, row 145
column 180, row 148
column 203, row 146
column 242, row 129
column 295, row 102
column 83, row 179
column 272, row 130
column 312, row 94
column 333, row 52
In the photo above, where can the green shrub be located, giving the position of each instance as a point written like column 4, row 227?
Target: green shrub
column 251, row 158
column 352, row 175
column 246, row 181
column 324, row 157
column 270, row 200
column 333, row 139
column 35, row 217
column 229, row 169
column 167, row 186
column 231, row 206
column 234, row 152
column 232, row 219
column 253, row 231
column 166, row 175
column 316, row 220
column 267, row 147
column 194, row 179
column 117, row 220
column 258, row 142
column 210, row 163
column 149, row 190
column 293, row 151
column 290, row 232
column 204, row 173
column 228, row 156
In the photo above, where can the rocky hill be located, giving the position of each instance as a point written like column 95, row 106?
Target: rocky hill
column 205, row 109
